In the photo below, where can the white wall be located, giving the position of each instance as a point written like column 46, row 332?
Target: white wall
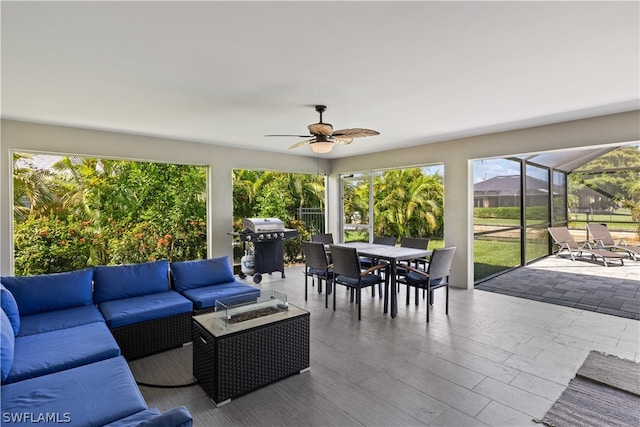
column 456, row 155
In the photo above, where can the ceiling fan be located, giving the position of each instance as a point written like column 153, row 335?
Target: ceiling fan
column 323, row 137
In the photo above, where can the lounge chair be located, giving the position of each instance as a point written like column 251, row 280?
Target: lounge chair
column 565, row 241
column 602, row 237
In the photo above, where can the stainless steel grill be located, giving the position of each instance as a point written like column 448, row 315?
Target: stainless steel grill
column 267, row 236
column 258, row 225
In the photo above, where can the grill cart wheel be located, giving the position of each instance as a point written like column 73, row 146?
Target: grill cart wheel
column 257, row 278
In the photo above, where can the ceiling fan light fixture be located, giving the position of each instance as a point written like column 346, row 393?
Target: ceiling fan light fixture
column 321, row 147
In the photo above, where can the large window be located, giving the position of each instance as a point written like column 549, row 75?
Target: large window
column 559, row 199
column 357, row 203
column 497, row 216
column 296, row 199
column 516, row 199
column 536, row 212
column 75, row 212
column 607, row 191
column 400, row 202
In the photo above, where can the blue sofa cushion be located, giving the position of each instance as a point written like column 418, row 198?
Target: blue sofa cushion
column 176, row 417
column 91, row 395
column 112, row 282
column 59, row 319
column 128, row 311
column 199, row 273
column 41, row 354
column 7, row 346
column 48, row 292
column 206, row 297
column 10, row 307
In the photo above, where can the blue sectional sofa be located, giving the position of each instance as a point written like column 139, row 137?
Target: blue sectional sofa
column 145, row 316
column 208, row 280
column 59, row 362
column 66, row 338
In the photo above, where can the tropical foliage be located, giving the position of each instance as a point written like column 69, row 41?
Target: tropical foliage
column 608, row 182
column 407, row 202
column 82, row 212
column 268, row 194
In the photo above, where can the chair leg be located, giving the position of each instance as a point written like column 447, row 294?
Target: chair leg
column 408, row 290
column 326, row 296
column 447, row 306
column 334, row 301
column 358, row 302
column 319, row 285
column 428, row 303
column 306, row 284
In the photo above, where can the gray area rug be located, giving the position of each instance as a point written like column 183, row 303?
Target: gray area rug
column 605, row 392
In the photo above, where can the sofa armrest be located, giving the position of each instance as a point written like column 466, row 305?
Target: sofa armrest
column 176, row 417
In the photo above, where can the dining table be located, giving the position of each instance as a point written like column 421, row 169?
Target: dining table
column 391, row 254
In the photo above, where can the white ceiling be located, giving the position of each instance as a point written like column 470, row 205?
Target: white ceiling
column 230, row 72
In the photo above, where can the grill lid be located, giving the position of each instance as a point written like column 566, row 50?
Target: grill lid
column 259, row 225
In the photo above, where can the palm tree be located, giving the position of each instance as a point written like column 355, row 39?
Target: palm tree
column 408, row 203
column 32, row 193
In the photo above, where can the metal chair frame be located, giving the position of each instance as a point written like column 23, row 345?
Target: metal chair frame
column 348, row 272
column 436, row 276
column 317, row 266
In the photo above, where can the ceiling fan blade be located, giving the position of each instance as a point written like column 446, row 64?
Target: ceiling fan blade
column 342, row 140
column 301, row 143
column 297, row 136
column 355, row 133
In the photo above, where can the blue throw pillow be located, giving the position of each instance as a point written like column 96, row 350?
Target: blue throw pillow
column 10, row 307
column 199, row 273
column 49, row 292
column 112, row 282
column 7, row 341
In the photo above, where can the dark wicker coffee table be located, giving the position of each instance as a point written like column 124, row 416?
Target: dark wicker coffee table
column 233, row 359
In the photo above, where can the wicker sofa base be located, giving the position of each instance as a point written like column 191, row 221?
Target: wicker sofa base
column 238, row 363
column 146, row 338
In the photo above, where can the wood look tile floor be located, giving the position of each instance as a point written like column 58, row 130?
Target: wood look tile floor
column 495, row 360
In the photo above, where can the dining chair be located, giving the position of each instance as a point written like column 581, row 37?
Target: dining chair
column 326, row 238
column 348, row 272
column 367, row 262
column 317, row 266
column 436, row 276
column 420, row 263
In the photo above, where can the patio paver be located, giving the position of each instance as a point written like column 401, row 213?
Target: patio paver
column 613, row 290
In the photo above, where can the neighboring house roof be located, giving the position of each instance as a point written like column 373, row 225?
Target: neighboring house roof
column 509, row 185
